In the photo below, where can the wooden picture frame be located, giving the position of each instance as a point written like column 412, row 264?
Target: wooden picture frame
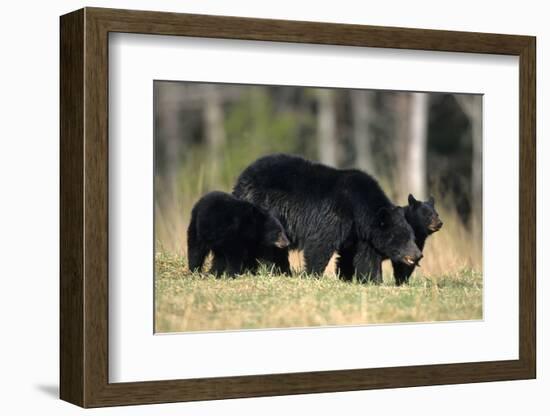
column 84, row 207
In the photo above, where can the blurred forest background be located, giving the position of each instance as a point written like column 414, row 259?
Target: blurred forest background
column 419, row 143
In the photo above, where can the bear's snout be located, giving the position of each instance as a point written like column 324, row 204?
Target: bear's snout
column 413, row 260
column 282, row 241
column 436, row 225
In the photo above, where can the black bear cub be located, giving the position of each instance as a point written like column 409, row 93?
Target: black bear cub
column 424, row 221
column 237, row 232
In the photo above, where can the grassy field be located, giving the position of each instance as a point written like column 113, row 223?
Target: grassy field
column 448, row 286
column 199, row 302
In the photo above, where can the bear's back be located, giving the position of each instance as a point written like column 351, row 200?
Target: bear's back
column 284, row 174
column 288, row 174
column 220, row 216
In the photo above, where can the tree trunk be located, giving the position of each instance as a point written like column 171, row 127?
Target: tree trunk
column 326, row 127
column 170, row 131
column 398, row 169
column 168, row 106
column 362, row 109
column 472, row 106
column 417, row 141
column 214, row 128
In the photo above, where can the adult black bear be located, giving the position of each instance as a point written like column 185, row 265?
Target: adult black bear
column 324, row 210
column 235, row 231
column 424, row 221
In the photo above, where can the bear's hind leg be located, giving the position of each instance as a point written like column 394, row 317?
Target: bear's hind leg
column 218, row 264
column 197, row 250
column 196, row 254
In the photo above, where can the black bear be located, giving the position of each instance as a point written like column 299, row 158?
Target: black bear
column 424, row 221
column 324, row 210
column 235, row 231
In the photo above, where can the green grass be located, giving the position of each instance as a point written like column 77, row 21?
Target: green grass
column 199, row 302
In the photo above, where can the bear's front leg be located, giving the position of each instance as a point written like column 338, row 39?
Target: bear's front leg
column 250, row 266
column 368, row 263
column 402, row 272
column 317, row 255
column 344, row 264
column 278, row 257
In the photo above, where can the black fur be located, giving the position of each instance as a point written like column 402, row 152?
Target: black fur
column 424, row 221
column 324, row 210
column 237, row 232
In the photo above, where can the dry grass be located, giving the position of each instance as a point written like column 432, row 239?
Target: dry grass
column 195, row 302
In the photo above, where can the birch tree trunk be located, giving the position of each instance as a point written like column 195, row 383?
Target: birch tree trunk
column 326, row 127
column 418, row 138
column 362, row 109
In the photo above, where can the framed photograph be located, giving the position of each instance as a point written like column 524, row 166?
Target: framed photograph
column 255, row 207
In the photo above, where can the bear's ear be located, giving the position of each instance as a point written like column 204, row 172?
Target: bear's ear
column 413, row 203
column 431, row 201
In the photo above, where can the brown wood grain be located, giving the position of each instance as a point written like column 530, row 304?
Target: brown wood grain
column 527, row 208
column 71, row 100
column 84, row 207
